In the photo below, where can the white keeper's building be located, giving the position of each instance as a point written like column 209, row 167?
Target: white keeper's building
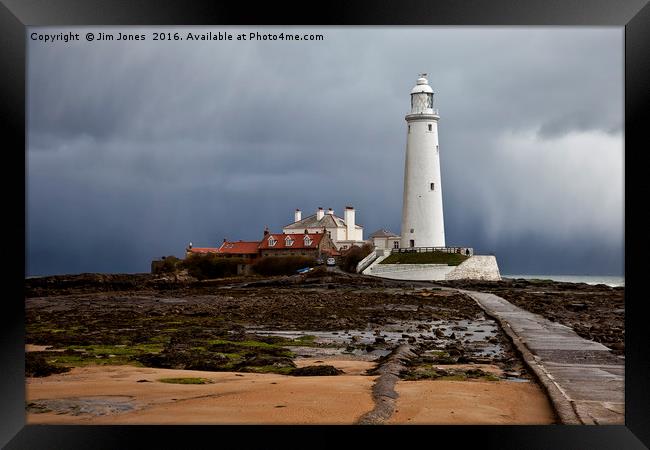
column 344, row 231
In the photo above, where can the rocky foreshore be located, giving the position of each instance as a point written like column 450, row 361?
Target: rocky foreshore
column 300, row 325
column 595, row 312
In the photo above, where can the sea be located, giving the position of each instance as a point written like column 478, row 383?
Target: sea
column 609, row 280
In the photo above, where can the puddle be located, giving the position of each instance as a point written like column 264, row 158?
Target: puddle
column 473, row 334
column 76, row 406
column 516, row 380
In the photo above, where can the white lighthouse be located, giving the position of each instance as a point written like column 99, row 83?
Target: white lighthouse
column 422, row 221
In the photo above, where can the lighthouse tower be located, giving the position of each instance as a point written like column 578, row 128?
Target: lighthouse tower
column 422, row 221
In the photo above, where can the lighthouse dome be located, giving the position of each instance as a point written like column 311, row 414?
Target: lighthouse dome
column 422, row 86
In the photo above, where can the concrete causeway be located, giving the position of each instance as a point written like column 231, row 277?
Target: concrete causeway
column 584, row 380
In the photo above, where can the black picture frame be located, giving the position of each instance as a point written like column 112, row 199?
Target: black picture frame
column 634, row 15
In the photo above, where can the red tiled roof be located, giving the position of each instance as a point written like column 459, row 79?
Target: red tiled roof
column 298, row 241
column 240, row 248
column 203, row 250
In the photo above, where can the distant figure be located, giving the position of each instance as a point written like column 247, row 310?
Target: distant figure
column 466, row 252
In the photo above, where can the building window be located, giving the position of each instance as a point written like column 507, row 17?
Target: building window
column 409, row 128
column 412, row 230
column 272, row 241
column 288, row 241
column 437, row 149
column 432, row 186
column 307, row 241
column 430, row 127
column 395, row 244
column 412, row 243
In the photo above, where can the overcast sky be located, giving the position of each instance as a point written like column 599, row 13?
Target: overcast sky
column 137, row 148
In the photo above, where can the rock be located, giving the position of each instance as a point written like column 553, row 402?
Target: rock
column 475, row 373
column 380, row 340
column 439, row 333
column 323, row 370
column 576, row 306
column 263, row 360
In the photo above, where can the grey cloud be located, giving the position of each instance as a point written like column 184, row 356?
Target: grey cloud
column 143, row 147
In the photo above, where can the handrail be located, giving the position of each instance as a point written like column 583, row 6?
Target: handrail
column 461, row 250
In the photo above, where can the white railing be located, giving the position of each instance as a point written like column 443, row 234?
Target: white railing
column 465, row 251
column 365, row 262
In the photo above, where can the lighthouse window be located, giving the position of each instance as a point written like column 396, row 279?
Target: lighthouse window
column 433, row 185
column 430, row 126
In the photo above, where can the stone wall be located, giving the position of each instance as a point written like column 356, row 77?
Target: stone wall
column 479, row 267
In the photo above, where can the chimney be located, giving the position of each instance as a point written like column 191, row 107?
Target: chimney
column 297, row 216
column 266, row 230
column 190, row 245
column 330, row 211
column 349, row 223
column 319, row 213
column 224, row 239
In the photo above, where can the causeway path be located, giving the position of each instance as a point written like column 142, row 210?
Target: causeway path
column 584, row 380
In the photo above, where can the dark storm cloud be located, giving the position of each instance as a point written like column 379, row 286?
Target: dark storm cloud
column 137, row 148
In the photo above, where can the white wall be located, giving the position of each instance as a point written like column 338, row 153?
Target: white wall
column 429, row 272
column 479, row 267
column 379, row 242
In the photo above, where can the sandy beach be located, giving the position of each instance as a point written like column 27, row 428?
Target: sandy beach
column 114, row 395
column 476, row 402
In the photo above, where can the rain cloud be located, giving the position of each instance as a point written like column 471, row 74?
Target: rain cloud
column 137, row 148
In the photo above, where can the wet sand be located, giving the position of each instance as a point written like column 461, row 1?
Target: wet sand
column 471, row 402
column 232, row 398
column 112, row 395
